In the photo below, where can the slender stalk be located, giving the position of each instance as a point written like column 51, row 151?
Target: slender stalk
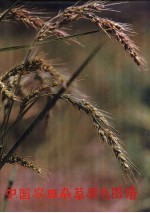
column 18, row 47
column 18, row 118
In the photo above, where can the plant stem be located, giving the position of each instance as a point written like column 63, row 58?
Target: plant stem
column 47, row 42
column 18, row 118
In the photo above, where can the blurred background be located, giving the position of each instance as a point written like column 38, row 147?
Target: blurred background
column 69, row 147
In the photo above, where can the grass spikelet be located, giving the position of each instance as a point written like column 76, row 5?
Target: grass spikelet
column 27, row 164
column 29, row 18
column 49, row 68
column 34, row 65
column 24, row 15
column 115, row 30
column 30, row 66
column 105, row 132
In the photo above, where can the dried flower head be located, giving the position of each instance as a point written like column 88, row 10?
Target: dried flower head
column 117, row 31
column 27, row 164
column 105, row 131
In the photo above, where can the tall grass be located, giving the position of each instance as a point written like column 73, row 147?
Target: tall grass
column 18, row 87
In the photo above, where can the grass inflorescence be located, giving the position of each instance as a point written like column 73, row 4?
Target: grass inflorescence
column 17, row 85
